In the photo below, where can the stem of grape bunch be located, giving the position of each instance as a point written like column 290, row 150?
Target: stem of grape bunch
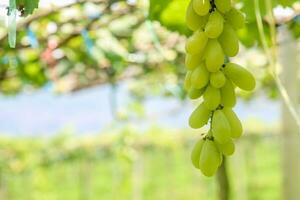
column 210, row 75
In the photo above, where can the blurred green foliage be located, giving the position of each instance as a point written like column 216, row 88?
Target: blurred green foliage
column 172, row 15
column 87, row 43
column 26, row 7
column 125, row 164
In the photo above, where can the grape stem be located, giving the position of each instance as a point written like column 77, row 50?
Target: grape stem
column 213, row 6
column 209, row 134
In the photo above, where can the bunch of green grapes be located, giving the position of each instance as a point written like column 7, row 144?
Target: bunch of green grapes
column 210, row 75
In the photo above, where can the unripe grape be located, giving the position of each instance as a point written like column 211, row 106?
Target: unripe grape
column 196, row 152
column 212, row 97
column 194, row 21
column 227, row 148
column 200, row 77
column 187, row 80
column 229, row 41
column 217, row 79
column 201, row 7
column 235, row 123
column 196, row 43
column 240, row 76
column 193, row 61
column 195, row 93
column 236, row 18
column 209, row 158
column 220, row 127
column 214, row 23
column 214, row 26
column 228, row 97
column 214, row 56
column 199, row 117
column 223, row 5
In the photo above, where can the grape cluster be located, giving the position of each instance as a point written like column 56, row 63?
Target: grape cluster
column 211, row 75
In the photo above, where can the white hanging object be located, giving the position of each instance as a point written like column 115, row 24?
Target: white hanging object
column 12, row 24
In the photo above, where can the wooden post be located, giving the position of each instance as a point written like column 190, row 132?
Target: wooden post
column 223, row 182
column 287, row 57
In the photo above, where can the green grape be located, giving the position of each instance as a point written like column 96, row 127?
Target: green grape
column 240, row 76
column 235, row 123
column 194, row 21
column 196, row 43
column 227, row 148
column 217, row 79
column 229, row 41
column 201, row 7
column 214, row 56
column 199, row 117
column 214, row 26
column 223, row 5
column 236, row 18
column 210, row 158
column 193, row 61
column 220, row 127
column 214, row 23
column 200, row 77
column 212, row 97
column 195, row 93
column 187, row 80
column 196, row 152
column 228, row 97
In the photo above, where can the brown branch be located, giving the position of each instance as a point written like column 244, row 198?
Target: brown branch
column 130, row 72
column 90, row 26
column 44, row 13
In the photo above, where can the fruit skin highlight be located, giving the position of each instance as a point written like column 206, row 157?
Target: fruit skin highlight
column 210, row 75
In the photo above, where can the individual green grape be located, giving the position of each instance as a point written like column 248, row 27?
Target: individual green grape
column 195, row 93
column 201, row 7
column 209, row 158
column 193, row 61
column 227, row 148
column 220, row 127
column 228, row 97
column 236, row 18
column 223, row 5
column 199, row 117
column 200, row 77
column 235, row 123
column 194, row 21
column 229, row 41
column 196, row 152
column 214, row 26
column 187, row 80
column 196, row 43
column 240, row 76
column 212, row 97
column 214, row 56
column 217, row 79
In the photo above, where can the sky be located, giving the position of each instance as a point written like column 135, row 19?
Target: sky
column 88, row 112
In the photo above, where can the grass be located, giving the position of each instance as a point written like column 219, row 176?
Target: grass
column 156, row 171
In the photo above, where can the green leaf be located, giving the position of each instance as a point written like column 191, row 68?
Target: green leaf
column 27, row 6
column 170, row 13
column 295, row 27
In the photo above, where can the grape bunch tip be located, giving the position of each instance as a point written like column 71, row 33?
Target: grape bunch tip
column 209, row 75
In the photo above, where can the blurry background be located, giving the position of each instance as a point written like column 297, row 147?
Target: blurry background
column 92, row 104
